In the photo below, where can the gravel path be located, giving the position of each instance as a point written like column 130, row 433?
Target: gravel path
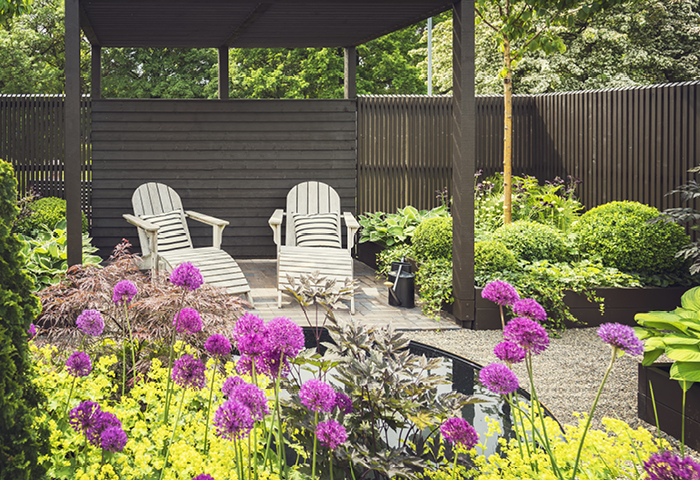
column 567, row 375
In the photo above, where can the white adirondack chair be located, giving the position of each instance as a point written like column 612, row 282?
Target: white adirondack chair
column 313, row 236
column 166, row 242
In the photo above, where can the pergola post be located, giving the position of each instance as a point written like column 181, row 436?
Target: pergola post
column 72, row 157
column 463, row 162
column 350, row 78
column 223, row 73
column 96, row 73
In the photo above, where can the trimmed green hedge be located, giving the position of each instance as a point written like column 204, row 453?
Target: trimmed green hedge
column 433, row 239
column 532, row 241
column 45, row 211
column 492, row 257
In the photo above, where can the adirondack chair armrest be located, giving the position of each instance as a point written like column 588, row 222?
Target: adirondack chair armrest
column 151, row 230
column 275, row 223
column 353, row 226
column 217, row 224
column 141, row 223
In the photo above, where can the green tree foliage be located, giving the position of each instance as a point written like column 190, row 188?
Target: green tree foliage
column 12, row 8
column 20, row 442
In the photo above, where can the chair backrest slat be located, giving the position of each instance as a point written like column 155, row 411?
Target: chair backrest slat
column 156, row 199
column 309, row 198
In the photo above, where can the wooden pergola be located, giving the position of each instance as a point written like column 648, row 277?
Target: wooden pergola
column 225, row 24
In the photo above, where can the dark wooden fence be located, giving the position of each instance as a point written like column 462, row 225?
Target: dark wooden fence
column 32, row 140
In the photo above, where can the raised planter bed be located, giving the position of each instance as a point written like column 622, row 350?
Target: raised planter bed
column 668, row 397
column 367, row 253
column 621, row 305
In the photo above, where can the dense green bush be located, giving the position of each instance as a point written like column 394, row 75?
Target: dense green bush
column 45, row 211
column 623, row 236
column 433, row 239
column 532, row 241
column 492, row 257
column 21, row 443
column 434, row 281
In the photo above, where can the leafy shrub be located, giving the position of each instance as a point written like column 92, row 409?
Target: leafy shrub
column 433, row 239
column 396, row 253
column 21, row 442
column 492, row 257
column 532, row 241
column 395, row 228
column 45, row 212
column 622, row 235
column 434, row 279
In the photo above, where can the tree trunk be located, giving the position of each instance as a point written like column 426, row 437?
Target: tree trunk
column 507, row 133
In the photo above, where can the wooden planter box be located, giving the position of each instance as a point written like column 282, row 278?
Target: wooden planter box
column 668, row 396
column 621, row 305
column 367, row 253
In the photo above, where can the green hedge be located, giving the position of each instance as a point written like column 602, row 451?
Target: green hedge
column 532, row 241
column 433, row 239
column 45, row 211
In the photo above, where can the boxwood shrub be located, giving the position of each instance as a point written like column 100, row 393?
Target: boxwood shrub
column 621, row 234
column 493, row 257
column 433, row 239
column 532, row 241
column 45, row 211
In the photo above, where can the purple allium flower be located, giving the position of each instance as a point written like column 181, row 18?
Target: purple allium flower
column 32, row 331
column 527, row 307
column 501, row 293
column 217, row 345
column 252, row 397
column 233, row 420
column 90, row 322
column 188, row 372
column 498, row 378
column 331, row 434
column 245, row 363
column 203, row 476
column 459, row 431
column 188, row 321
column 667, row 466
column 230, row 385
column 284, row 337
column 317, row 396
column 509, row 352
column 246, row 325
column 343, row 402
column 79, row 364
column 254, row 344
column 101, row 421
column 528, row 334
column 113, row 439
column 82, row 418
column 124, row 292
column 621, row 337
column 186, row 275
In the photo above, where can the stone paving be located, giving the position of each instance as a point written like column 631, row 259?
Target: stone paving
column 371, row 300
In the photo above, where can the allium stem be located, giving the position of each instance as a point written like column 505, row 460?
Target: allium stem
column 70, row 394
column 535, row 405
column 593, row 407
column 330, row 462
column 313, row 461
column 276, row 417
column 131, row 344
column 172, row 437
column 169, row 386
column 454, row 465
column 211, row 395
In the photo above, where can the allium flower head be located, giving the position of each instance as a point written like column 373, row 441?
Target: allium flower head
column 343, row 402
column 459, row 431
column 113, row 439
column 102, row 421
column 124, row 292
column 528, row 334
column 90, row 322
column 331, row 434
column 509, row 352
column 498, row 378
column 317, row 396
column 83, row 417
column 501, row 293
column 284, row 337
column 188, row 321
column 186, row 275
column 667, row 466
column 233, row 420
column 217, row 345
column 203, row 476
column 79, row 364
column 245, row 364
column 527, row 307
column 32, row 331
column 230, row 385
column 246, row 325
column 252, row 397
column 621, row 337
column 254, row 344
column 188, row 372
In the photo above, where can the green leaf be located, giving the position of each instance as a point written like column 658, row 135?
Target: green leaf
column 683, row 354
column 686, row 371
column 675, row 339
column 691, row 299
column 651, row 356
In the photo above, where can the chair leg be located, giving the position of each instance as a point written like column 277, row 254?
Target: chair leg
column 279, row 299
column 352, row 304
column 249, row 297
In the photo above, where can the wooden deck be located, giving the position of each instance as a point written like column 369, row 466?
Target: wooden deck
column 371, row 300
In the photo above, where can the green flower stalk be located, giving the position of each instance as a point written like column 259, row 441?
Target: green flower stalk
column 123, row 293
column 217, row 346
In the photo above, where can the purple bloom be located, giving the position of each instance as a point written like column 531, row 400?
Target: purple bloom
column 102, row 422
column 246, row 325
column 509, row 352
column 217, row 345
column 621, row 337
column 528, row 334
column 667, row 466
column 501, row 293
column 90, row 322
column 459, row 431
column 233, row 420
column 188, row 321
column 343, row 402
column 230, row 385
column 78, row 364
column 331, row 434
column 123, row 292
column 82, row 418
column 254, row 344
column 527, row 307
column 285, row 338
column 113, row 439
column 203, row 476
column 32, row 331
column 186, row 275
column 252, row 397
column 498, row 378
column 188, row 372
column 317, row 396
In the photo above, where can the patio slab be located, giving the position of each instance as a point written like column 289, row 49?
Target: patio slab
column 371, row 300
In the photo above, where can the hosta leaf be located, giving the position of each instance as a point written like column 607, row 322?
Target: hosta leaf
column 651, row 356
column 691, row 299
column 675, row 339
column 683, row 354
column 689, row 371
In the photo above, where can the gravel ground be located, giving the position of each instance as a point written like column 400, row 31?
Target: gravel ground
column 567, row 375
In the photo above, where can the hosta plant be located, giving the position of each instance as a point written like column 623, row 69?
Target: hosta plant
column 395, row 228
